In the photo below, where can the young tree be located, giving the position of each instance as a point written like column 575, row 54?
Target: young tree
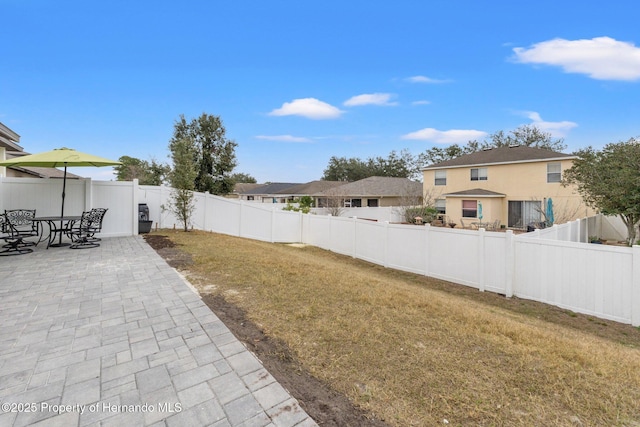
column 609, row 180
column 422, row 205
column 182, row 178
column 303, row 204
column 214, row 154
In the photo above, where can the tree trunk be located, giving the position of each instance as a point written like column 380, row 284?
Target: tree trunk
column 630, row 222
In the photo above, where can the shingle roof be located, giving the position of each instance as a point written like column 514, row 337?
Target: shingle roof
column 310, row 188
column 272, row 188
column 516, row 154
column 377, row 186
column 243, row 187
column 478, row 192
column 39, row 172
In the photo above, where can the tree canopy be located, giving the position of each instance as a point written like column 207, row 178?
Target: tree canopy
column 527, row 135
column 147, row 173
column 405, row 165
column 400, row 165
column 243, row 178
column 609, row 180
column 214, row 153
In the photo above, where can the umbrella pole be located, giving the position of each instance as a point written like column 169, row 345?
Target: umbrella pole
column 64, row 186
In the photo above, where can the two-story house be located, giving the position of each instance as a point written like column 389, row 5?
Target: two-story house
column 509, row 184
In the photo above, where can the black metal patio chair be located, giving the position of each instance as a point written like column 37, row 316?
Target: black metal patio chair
column 14, row 244
column 97, row 216
column 23, row 224
column 82, row 233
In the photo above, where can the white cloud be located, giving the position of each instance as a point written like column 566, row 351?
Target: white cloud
column 557, row 129
column 310, row 108
column 601, row 58
column 424, row 79
column 284, row 138
column 453, row 136
column 422, row 102
column 370, row 99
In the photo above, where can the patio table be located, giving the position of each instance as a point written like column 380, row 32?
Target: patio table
column 57, row 227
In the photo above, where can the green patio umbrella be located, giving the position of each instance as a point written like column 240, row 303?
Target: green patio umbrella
column 57, row 158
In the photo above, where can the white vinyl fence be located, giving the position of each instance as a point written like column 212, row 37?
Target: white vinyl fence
column 552, row 265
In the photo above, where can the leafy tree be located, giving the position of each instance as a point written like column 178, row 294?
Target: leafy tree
column 158, row 173
column 304, row 205
column 130, row 169
column 243, row 178
column 609, row 180
column 147, row 173
column 343, row 169
column 214, row 154
column 401, row 165
column 527, row 135
column 182, row 178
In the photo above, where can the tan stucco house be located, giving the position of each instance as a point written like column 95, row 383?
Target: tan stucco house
column 10, row 148
column 509, row 184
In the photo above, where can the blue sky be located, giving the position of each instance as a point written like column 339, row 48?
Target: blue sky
column 296, row 82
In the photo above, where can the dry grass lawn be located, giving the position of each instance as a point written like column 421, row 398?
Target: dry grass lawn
column 419, row 351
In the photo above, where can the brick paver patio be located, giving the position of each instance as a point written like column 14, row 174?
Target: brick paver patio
column 113, row 336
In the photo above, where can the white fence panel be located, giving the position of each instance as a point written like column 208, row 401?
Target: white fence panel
column 199, row 214
column 317, row 231
column 494, row 262
column 590, row 279
column 380, row 214
column 342, row 235
column 256, row 223
column 370, row 241
column 287, row 227
column 226, row 216
column 119, row 199
column 406, row 247
column 43, row 195
column 453, row 255
column 156, row 198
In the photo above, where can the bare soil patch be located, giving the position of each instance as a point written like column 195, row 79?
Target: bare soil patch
column 326, row 406
column 168, row 250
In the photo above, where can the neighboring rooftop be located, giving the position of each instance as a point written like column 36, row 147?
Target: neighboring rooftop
column 512, row 154
column 310, row 188
column 272, row 188
column 377, row 186
column 243, row 187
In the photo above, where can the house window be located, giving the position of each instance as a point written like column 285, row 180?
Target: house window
column 352, row 203
column 479, row 174
column 372, row 203
column 441, row 178
column 440, row 206
column 249, row 197
column 554, row 172
column 523, row 213
column 469, row 208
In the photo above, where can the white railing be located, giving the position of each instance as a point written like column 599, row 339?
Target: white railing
column 551, row 265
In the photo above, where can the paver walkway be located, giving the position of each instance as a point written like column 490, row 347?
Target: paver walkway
column 113, row 336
